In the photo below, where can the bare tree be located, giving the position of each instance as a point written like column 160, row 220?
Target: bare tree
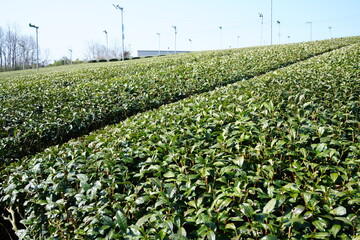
column 2, row 50
column 16, row 51
column 12, row 42
column 96, row 51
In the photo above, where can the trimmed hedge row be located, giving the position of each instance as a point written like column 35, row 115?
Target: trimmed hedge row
column 274, row 157
column 41, row 110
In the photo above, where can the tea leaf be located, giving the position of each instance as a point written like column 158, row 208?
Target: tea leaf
column 269, row 207
column 339, row 211
column 121, row 221
column 335, row 229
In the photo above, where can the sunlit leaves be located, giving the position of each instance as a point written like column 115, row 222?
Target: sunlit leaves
column 45, row 109
column 274, row 157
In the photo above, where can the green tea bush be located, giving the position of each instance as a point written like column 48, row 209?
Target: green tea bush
column 40, row 110
column 274, row 157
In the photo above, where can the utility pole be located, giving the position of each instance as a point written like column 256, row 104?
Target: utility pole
column 175, row 37
column 310, row 30
column 37, row 45
column 122, row 28
column 262, row 24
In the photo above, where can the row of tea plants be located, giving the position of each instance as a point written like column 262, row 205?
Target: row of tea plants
column 40, row 110
column 273, row 157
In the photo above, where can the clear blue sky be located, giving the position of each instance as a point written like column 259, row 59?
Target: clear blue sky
column 73, row 24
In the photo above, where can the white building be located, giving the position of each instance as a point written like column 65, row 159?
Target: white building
column 146, row 53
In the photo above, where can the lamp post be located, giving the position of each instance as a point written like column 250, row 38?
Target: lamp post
column 220, row 36
column 37, row 45
column 70, row 50
column 310, row 30
column 262, row 24
column 122, row 28
column 175, row 29
column 330, row 32
column 278, row 22
column 190, row 42
column 23, row 53
column 159, row 42
column 238, row 41
column 271, row 20
column 107, row 45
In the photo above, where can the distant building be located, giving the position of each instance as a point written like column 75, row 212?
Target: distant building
column 146, row 53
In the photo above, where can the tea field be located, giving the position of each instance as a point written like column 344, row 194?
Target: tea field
column 41, row 110
column 258, row 143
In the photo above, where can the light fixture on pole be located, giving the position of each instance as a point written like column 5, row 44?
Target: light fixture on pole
column 310, row 23
column 122, row 28
column 310, row 30
column 278, row 22
column 238, row 41
column 330, row 32
column 190, row 42
column 159, row 42
column 271, row 20
column 70, row 50
column 107, row 45
column 220, row 36
column 262, row 24
column 37, row 45
column 23, row 53
column 175, row 38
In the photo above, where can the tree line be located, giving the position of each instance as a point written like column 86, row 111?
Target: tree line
column 17, row 51
column 97, row 51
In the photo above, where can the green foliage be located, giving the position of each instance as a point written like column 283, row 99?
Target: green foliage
column 64, row 61
column 45, row 109
column 273, row 157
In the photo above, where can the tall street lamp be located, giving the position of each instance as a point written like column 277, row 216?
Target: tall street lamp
column 107, row 45
column 190, row 42
column 159, row 42
column 278, row 22
column 330, row 32
column 175, row 37
column 70, row 50
column 220, row 36
column 262, row 24
column 122, row 28
column 23, row 53
column 310, row 30
column 37, row 45
column 271, row 19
